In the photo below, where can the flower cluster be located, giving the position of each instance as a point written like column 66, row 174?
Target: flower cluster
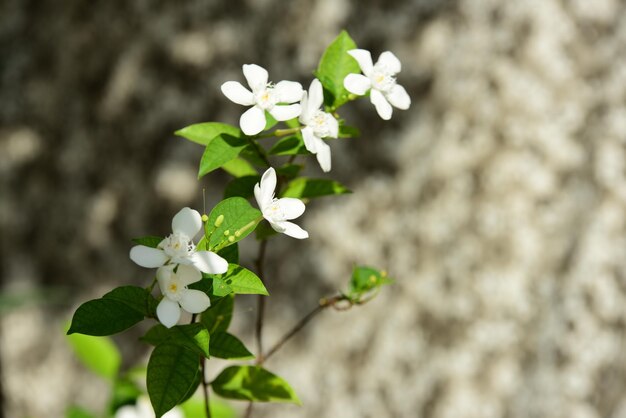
column 179, row 264
column 280, row 100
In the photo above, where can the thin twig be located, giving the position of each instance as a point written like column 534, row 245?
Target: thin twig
column 205, row 387
column 323, row 304
column 260, row 313
column 260, row 300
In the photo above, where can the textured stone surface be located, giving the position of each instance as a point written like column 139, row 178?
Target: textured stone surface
column 498, row 201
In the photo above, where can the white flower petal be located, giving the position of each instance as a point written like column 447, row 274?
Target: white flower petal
column 333, row 128
column 357, row 84
column 237, row 93
column 398, row 97
column 147, row 256
column 364, row 58
column 252, row 121
column 290, row 207
column 323, row 156
column 195, row 301
column 164, row 273
column 266, row 188
column 293, row 230
column 282, row 113
column 316, row 93
column 309, row 140
column 168, row 312
column 383, row 107
column 288, row 91
column 188, row 274
column 256, row 76
column 208, row 262
column 187, row 221
column 307, row 111
column 390, row 61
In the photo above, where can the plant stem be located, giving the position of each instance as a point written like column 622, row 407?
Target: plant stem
column 260, row 313
column 205, row 387
column 260, row 301
column 323, row 304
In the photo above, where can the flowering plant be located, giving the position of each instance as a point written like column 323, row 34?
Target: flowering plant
column 203, row 277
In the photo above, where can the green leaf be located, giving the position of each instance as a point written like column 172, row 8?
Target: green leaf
column 135, row 297
column 194, row 408
column 220, row 150
column 289, row 171
column 255, row 155
column 239, row 167
column 227, row 346
column 217, row 317
column 149, row 241
column 78, row 412
column 334, row 66
column 172, row 371
column 348, row 132
column 240, row 280
column 98, row 354
column 242, row 187
column 365, row 279
column 253, row 383
column 239, row 220
column 193, row 336
column 116, row 311
column 230, row 253
column 306, row 188
column 291, row 145
column 204, row 133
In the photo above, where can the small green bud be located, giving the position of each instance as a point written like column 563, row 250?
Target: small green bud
column 219, row 221
column 205, row 218
column 238, row 233
column 231, row 239
column 227, row 232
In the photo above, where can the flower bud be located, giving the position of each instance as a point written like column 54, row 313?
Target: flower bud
column 219, row 221
column 205, row 218
column 231, row 239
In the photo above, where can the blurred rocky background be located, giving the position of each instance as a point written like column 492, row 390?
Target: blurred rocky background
column 498, row 201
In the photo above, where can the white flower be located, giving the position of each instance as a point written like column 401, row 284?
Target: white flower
column 319, row 124
column 143, row 409
column 264, row 96
column 381, row 79
column 278, row 211
column 173, row 284
column 178, row 247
